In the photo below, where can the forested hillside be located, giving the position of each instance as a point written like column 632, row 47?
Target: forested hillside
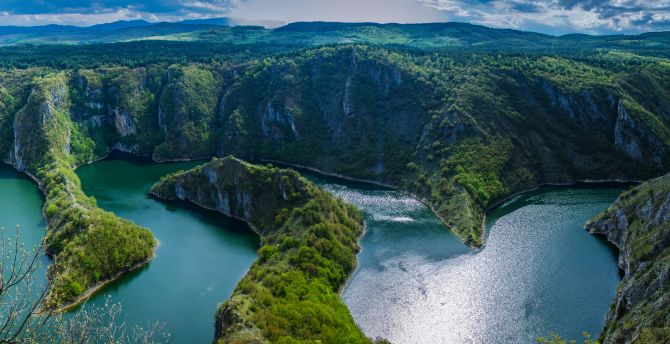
column 90, row 246
column 309, row 246
column 638, row 223
column 460, row 129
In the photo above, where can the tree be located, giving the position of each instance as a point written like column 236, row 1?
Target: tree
column 25, row 318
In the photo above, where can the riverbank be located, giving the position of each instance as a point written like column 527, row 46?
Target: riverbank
column 310, row 241
column 433, row 210
column 102, row 284
column 202, row 254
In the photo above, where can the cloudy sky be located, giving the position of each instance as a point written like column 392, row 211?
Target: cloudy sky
column 549, row 16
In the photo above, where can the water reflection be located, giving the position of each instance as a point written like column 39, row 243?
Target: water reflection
column 540, row 271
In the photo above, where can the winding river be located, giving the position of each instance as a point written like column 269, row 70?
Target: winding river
column 540, row 271
column 200, row 258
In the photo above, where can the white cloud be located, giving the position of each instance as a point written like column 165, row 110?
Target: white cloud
column 552, row 16
column 560, row 16
column 402, row 11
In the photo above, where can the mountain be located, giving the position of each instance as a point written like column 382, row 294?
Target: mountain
column 44, row 29
column 209, row 21
column 452, row 36
column 305, row 34
column 117, row 31
column 109, row 32
column 121, row 24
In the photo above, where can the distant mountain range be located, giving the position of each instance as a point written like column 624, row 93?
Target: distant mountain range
column 240, row 31
column 121, row 30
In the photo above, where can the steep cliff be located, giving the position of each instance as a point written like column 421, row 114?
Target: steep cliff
column 638, row 223
column 89, row 246
column 459, row 131
column 309, row 246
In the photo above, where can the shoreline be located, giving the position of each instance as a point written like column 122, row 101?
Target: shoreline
column 339, row 291
column 257, row 231
column 535, row 188
column 432, row 209
column 99, row 286
column 88, row 293
column 92, row 291
column 176, row 199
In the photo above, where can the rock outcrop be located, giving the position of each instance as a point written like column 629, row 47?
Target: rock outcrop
column 90, row 246
column 638, row 223
column 309, row 246
column 457, row 133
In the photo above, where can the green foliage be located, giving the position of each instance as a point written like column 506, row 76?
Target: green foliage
column 188, row 106
column 636, row 223
column 290, row 294
column 90, row 245
column 556, row 339
column 201, row 41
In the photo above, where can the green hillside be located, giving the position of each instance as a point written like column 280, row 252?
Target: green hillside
column 460, row 116
column 310, row 241
column 638, row 223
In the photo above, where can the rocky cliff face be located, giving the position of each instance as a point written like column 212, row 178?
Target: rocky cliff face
column 41, row 125
column 232, row 187
column 637, row 142
column 458, row 133
column 89, row 245
column 638, row 223
column 309, row 242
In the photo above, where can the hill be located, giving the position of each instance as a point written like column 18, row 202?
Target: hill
column 310, row 241
column 448, row 35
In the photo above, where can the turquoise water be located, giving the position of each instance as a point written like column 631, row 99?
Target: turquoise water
column 21, row 204
column 540, row 271
column 201, row 257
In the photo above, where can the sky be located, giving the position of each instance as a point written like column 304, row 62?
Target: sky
column 547, row 16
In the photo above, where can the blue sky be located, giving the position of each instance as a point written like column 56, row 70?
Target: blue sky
column 549, row 16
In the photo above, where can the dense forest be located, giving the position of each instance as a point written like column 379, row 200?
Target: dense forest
column 460, row 116
column 310, row 241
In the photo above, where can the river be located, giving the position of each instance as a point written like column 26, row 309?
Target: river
column 539, row 272
column 200, row 258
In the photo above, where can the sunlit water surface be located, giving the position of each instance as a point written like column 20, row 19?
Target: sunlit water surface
column 540, row 271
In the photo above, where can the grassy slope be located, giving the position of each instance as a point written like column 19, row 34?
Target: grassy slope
column 309, row 245
column 639, row 224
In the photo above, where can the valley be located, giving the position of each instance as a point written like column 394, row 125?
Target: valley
column 453, row 132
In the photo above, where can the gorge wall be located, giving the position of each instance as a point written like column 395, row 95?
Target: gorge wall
column 458, row 131
column 638, row 223
column 308, row 251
